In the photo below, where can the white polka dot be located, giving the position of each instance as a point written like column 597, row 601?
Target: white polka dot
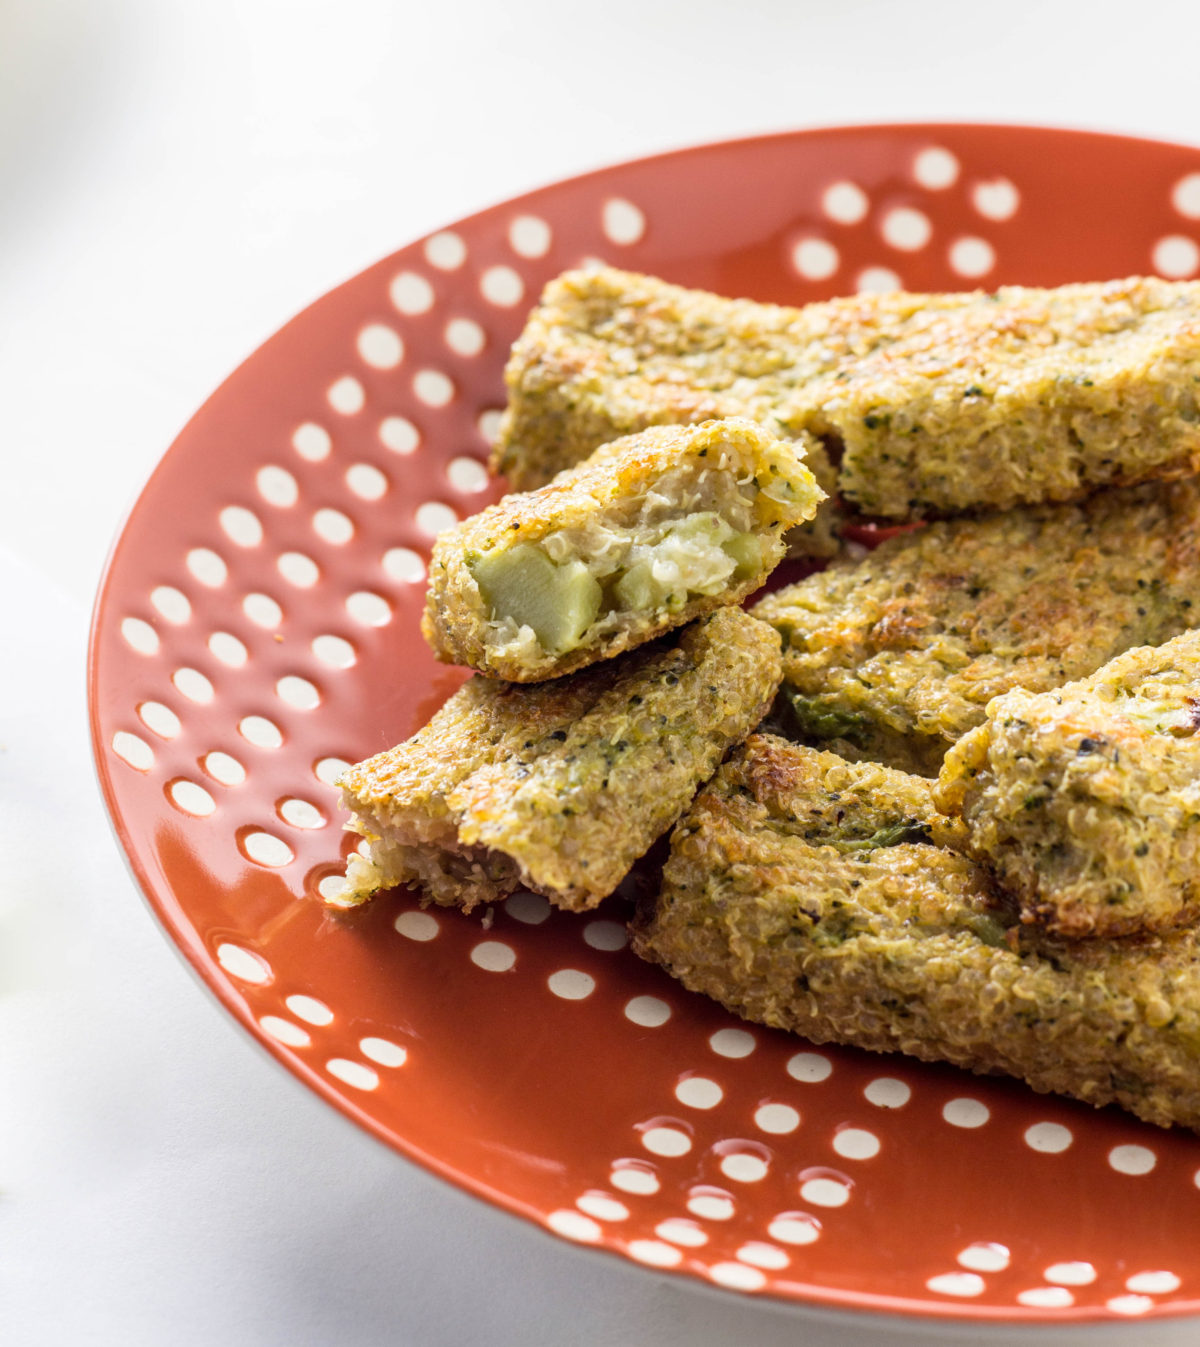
column 225, row 769
column 193, row 685
column 140, row 635
column 1176, row 256
column 434, row 388
column 653, row 1253
column 494, row 956
column 262, row 610
column 1132, row 1159
column 844, row 202
column 465, row 337
column 1185, row 196
column 466, row 474
column 856, row 1144
column 489, row 424
column 244, row 964
column 207, row 566
column 763, row 1255
column 1050, row 1138
column 935, row 168
column 877, row 280
column 277, row 486
column 260, row 731
column 136, row 752
column 298, row 569
column 433, row 517
column 192, row 799
column 809, row 1067
column 404, row 565
column 699, row 1092
column 972, row 257
column 737, row 1277
column 372, row 610
column 677, row 1231
column 357, row 1074
column 1130, row 1304
column 711, row 1206
column 312, row 441
column 330, row 888
column 1046, row 1297
column 571, row 984
column 380, row 347
column 647, row 1011
column 241, row 525
column 383, row 1051
column 794, row 1228
column 996, row 200
column 984, row 1257
column 633, row 1177
column 966, row 1113
column 1071, row 1274
column 346, row 395
column 159, row 718
column 573, row 1225
column 446, row 251
column 310, row 1010
column 603, row 1207
column 335, row 651
column 366, row 481
column 228, row 649
column 778, row 1119
column 957, row 1284
column 906, row 228
column 415, row 925
column 399, row 434
column 410, row 293
column 502, row 286
column 732, row 1043
column 1153, row 1283
column 297, row 692
column 668, row 1141
column 333, row 526
column 329, row 770
column 284, row 1031
column 605, row 935
column 623, row 223
column 530, row 908
column 529, row 236
column 267, row 849
column 171, row 603
column 815, row 259
column 301, row 814
column 743, row 1167
column 887, row 1092
column 825, row 1192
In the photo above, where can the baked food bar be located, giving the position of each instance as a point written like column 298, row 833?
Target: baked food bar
column 816, row 895
column 930, row 405
column 896, row 656
column 1085, row 801
column 648, row 533
column 558, row 786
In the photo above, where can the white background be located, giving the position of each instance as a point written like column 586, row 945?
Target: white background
column 177, row 177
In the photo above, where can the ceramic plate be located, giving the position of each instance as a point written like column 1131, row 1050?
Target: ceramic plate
column 257, row 629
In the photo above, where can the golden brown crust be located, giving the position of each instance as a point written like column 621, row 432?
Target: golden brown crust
column 856, row 934
column 559, row 786
column 1085, row 801
column 900, row 652
column 733, row 468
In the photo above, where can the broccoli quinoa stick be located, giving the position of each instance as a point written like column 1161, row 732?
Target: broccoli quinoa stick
column 932, row 404
column 812, row 894
column 558, row 786
column 896, row 656
column 647, row 534
column 1085, row 801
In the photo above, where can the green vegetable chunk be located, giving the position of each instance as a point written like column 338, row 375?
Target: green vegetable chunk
column 558, row 602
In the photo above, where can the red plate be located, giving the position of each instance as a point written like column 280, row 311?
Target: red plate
column 257, row 626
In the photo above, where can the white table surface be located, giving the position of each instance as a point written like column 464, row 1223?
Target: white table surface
column 176, row 179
